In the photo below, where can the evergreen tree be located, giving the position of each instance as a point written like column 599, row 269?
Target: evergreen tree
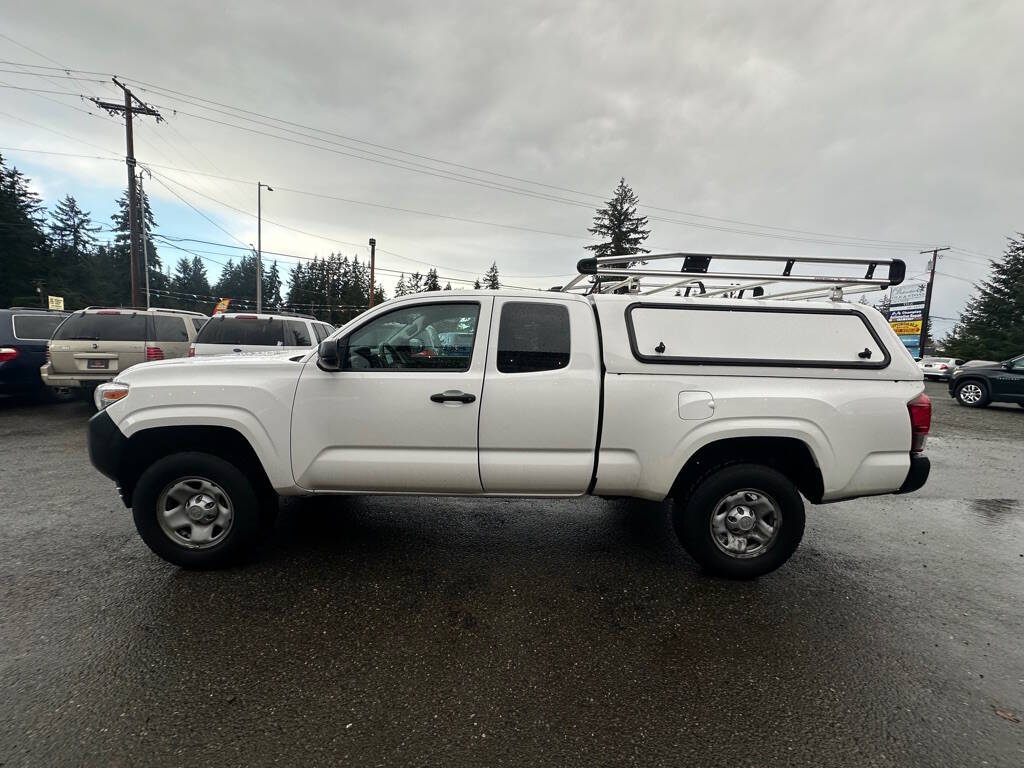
column 448, row 286
column 238, row 282
column 415, row 283
column 883, row 305
column 120, row 251
column 23, row 252
column 431, row 283
column 619, row 226
column 476, row 284
column 400, row 289
column 72, row 244
column 190, row 285
column 272, row 287
column 992, row 325
column 491, row 281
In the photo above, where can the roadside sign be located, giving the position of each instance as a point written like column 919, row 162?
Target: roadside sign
column 222, row 306
column 906, row 314
column 907, row 328
column 907, row 294
column 56, row 302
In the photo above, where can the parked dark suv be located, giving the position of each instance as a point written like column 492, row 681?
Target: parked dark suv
column 978, row 385
column 24, row 334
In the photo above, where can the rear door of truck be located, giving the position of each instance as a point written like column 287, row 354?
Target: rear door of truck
column 541, row 399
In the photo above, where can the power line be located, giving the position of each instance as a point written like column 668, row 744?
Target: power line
column 186, row 202
column 180, row 94
column 58, row 133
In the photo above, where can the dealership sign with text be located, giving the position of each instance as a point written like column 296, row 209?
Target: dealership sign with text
column 906, row 314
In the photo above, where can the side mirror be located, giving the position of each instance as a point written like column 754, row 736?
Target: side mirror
column 1007, row 365
column 330, row 354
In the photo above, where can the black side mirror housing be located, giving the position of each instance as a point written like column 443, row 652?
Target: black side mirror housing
column 331, row 354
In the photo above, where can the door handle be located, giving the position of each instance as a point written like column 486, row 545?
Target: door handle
column 452, row 396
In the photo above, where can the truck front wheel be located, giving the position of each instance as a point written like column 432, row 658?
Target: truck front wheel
column 740, row 521
column 196, row 510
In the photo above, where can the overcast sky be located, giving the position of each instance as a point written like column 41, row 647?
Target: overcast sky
column 881, row 120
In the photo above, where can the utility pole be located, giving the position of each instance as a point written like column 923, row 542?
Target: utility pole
column 928, row 296
column 373, row 256
column 145, row 238
column 129, row 111
column 260, row 186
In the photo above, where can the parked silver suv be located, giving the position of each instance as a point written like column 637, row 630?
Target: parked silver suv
column 94, row 344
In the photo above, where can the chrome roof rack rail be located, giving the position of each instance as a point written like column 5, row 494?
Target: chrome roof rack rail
column 632, row 274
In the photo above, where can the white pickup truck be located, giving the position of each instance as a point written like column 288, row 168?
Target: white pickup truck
column 734, row 408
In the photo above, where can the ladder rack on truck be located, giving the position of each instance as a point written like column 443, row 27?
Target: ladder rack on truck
column 631, row 274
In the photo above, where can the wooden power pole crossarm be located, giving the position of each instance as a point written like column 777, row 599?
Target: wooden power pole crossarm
column 129, row 111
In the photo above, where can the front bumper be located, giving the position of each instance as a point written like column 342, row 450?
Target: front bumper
column 917, row 476
column 107, row 446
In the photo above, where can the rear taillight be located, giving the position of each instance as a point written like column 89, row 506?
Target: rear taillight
column 943, row 367
column 154, row 353
column 7, row 354
column 191, row 350
column 920, row 409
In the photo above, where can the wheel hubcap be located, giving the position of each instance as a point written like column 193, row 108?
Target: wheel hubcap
column 195, row 512
column 745, row 523
column 970, row 393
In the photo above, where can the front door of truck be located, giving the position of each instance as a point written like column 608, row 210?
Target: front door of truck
column 401, row 415
column 538, row 422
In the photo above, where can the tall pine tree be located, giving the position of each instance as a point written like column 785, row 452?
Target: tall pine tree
column 992, row 325
column 120, row 250
column 23, row 252
column 431, row 283
column 491, row 280
column 622, row 231
column 73, row 268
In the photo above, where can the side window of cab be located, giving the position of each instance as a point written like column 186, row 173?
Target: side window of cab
column 421, row 337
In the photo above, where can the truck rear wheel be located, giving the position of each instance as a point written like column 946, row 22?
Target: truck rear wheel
column 196, row 510
column 740, row 521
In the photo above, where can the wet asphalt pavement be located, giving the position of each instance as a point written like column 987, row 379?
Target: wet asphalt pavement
column 433, row 631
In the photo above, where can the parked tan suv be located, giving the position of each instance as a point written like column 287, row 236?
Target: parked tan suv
column 94, row 344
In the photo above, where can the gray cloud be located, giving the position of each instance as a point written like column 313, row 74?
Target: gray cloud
column 875, row 119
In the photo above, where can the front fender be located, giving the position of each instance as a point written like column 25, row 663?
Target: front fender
column 270, row 445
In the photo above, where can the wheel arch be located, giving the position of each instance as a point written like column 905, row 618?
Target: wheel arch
column 788, row 455
column 146, row 446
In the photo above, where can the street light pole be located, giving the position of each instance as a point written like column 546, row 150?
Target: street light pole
column 260, row 186
column 373, row 258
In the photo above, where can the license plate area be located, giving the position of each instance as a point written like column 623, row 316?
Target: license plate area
column 94, row 364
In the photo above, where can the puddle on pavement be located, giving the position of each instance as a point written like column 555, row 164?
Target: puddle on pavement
column 994, row 511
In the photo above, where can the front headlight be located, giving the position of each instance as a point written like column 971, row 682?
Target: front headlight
column 109, row 393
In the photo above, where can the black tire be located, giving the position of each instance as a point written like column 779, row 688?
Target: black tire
column 693, row 515
column 249, row 516
column 965, row 387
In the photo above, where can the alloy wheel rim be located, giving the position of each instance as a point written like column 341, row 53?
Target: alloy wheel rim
column 745, row 523
column 970, row 393
column 195, row 512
